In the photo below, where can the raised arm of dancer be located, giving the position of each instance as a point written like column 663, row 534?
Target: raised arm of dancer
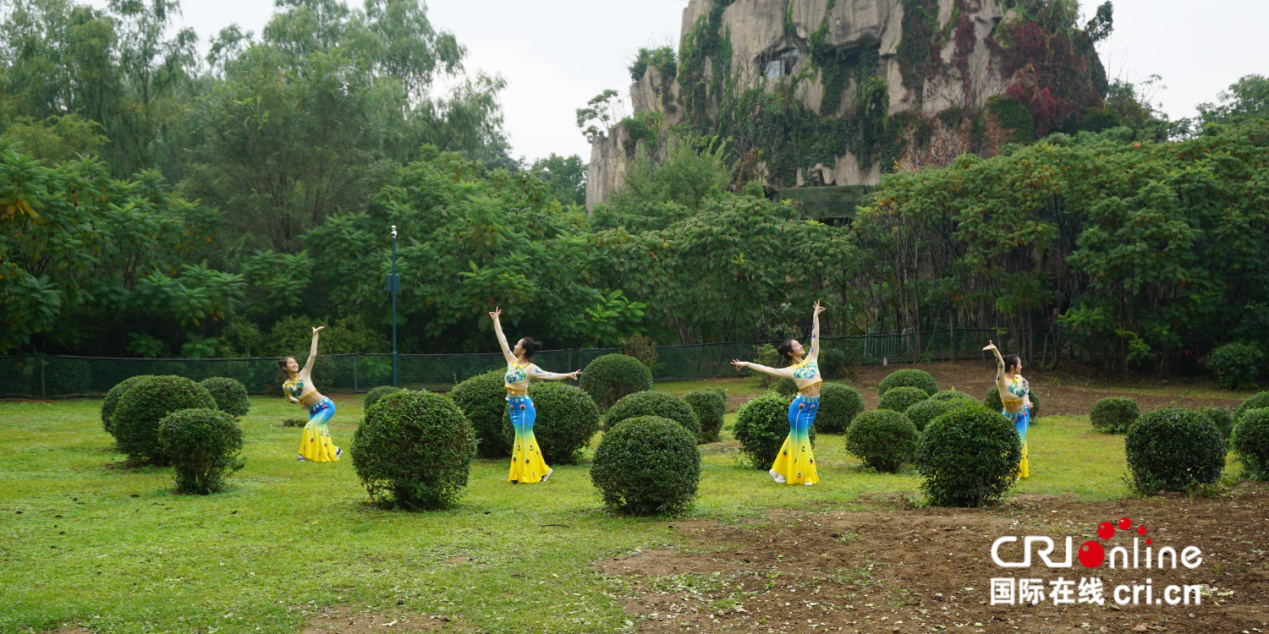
column 1001, row 383
column 814, row 353
column 756, row 367
column 312, row 353
column 542, row 375
column 502, row 339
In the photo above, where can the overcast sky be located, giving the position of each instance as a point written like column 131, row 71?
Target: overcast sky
column 557, row 54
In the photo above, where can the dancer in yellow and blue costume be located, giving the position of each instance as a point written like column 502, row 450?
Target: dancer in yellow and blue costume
column 316, row 444
column 527, row 464
column 1015, row 398
column 795, row 464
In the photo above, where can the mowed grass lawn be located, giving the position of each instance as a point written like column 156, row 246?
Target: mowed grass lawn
column 83, row 539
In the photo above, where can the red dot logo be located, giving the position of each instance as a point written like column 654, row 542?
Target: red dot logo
column 1092, row 554
column 1105, row 530
column 1141, row 530
column 1149, row 541
column 1125, row 523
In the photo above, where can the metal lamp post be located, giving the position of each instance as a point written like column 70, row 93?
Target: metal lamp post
column 394, row 287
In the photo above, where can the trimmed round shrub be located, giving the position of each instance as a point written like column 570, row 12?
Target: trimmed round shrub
column 1259, row 400
column 642, row 348
column 761, row 427
column 1114, row 414
column 612, row 376
column 204, row 446
column 111, row 400
column 882, row 439
column 922, row 413
column 660, row 404
column 377, row 393
column 1251, row 443
column 952, row 395
column 136, row 418
column 229, row 394
column 1174, row 449
column 295, row 422
column 899, row 399
column 710, row 407
column 1235, row 365
column 647, row 466
column 1035, row 406
column 839, row 404
column 484, row 401
column 919, row 379
column 785, row 387
column 1222, row 417
column 968, row 456
column 413, row 451
column 567, row 419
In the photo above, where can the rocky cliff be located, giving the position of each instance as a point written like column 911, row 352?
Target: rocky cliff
column 836, row 92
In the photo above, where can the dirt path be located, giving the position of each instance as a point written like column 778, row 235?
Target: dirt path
column 901, row 569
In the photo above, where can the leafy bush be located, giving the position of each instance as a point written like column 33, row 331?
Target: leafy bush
column 1174, row 449
column 642, row 348
column 659, row 404
column 295, row 422
column 766, row 354
column 204, row 446
column 1114, row 414
column 1236, row 366
column 1251, row 443
column 909, row 378
column 140, row 409
column 882, row 439
column 1259, row 400
column 1222, row 417
column 785, row 386
column 647, row 465
column 710, row 407
column 566, row 421
column 950, row 395
column 111, row 400
column 968, row 456
column 377, row 393
column 922, row 413
column 899, row 399
column 612, row 376
column 839, row 404
column 833, row 362
column 484, row 400
column 414, row 451
column 230, row 395
column 761, row 427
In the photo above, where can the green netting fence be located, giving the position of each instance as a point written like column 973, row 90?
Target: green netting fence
column 53, row 376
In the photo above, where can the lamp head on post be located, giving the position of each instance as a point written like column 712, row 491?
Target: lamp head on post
column 394, row 232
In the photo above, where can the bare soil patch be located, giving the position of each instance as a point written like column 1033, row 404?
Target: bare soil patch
column 903, row 569
column 351, row 621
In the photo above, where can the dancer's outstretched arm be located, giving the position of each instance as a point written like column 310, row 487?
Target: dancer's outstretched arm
column 756, row 367
column 814, row 353
column 312, row 353
column 1001, row 383
column 542, row 375
column 502, row 339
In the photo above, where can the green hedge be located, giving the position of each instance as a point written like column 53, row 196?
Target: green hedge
column 612, row 376
column 111, row 400
column 660, row 404
column 899, row 399
column 377, row 393
column 230, row 395
column 647, row 465
column 922, row 413
column 1114, row 414
column 204, row 446
column 968, row 456
column 144, row 405
column 882, row 440
column 710, row 406
column 761, row 426
column 484, row 400
column 1251, row 443
column 1174, row 449
column 919, row 379
column 839, row 405
column 413, row 451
